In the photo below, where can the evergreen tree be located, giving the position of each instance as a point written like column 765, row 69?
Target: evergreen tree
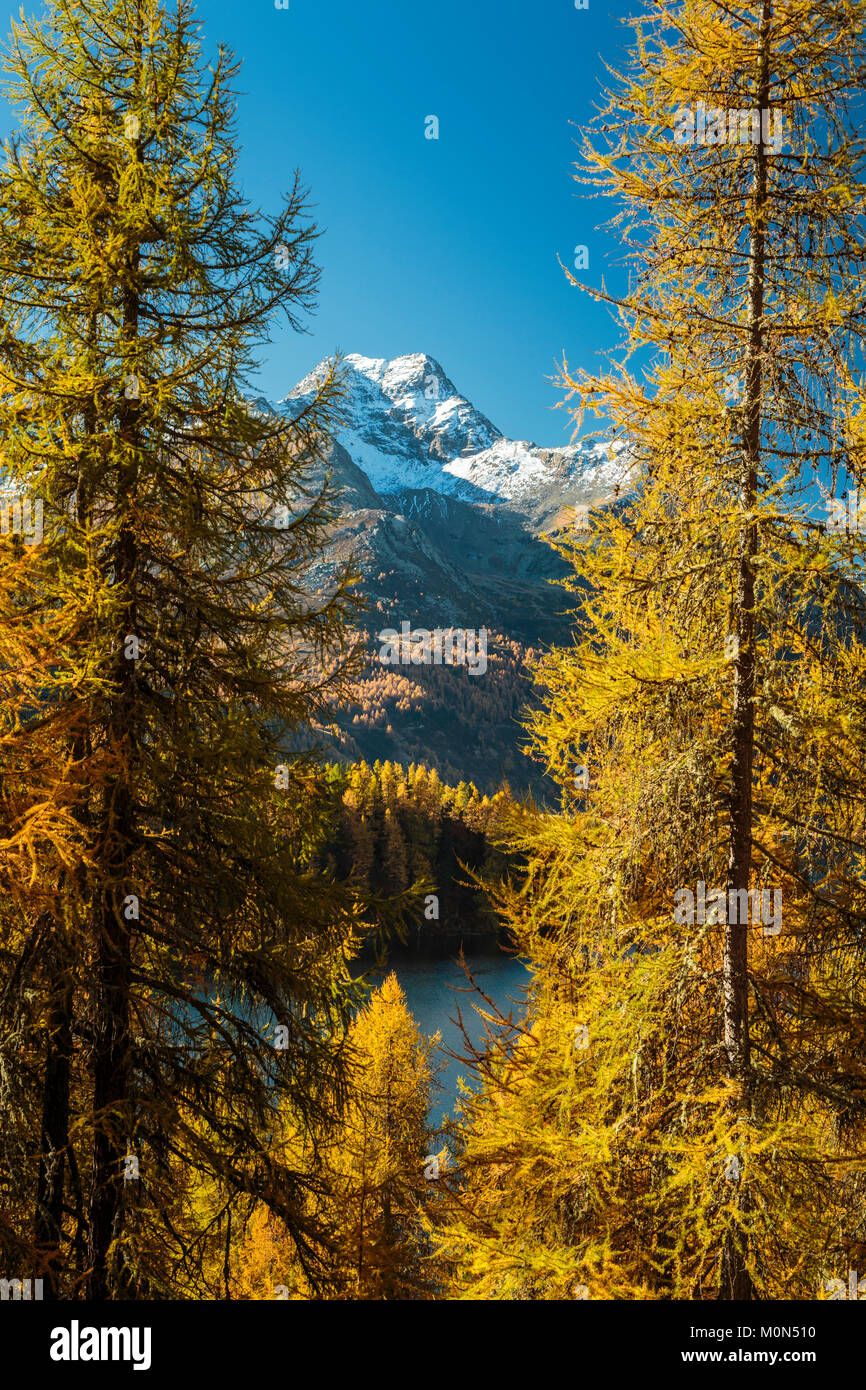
column 378, row 1184
column 395, row 862
column 682, row 1115
column 159, row 653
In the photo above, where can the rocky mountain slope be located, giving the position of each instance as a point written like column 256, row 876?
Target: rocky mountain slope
column 445, row 517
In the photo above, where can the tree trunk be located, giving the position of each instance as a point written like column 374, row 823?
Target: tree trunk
column 736, row 1283
column 54, row 1142
column 111, row 1069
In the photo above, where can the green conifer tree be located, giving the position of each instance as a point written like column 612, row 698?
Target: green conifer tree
column 160, row 652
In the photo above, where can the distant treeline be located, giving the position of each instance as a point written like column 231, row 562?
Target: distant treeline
column 399, row 827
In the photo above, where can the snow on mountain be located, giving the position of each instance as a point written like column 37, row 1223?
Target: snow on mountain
column 445, row 519
column 407, row 426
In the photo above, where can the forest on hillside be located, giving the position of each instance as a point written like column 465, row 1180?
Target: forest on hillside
column 401, row 830
column 463, row 725
column 202, row 1096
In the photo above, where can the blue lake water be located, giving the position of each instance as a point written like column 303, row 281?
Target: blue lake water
column 433, row 993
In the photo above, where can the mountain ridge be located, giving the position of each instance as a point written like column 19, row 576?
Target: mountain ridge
column 446, row 517
column 406, row 426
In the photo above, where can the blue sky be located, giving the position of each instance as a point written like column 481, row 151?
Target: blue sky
column 445, row 246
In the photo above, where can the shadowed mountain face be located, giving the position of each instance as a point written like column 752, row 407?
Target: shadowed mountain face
column 444, row 517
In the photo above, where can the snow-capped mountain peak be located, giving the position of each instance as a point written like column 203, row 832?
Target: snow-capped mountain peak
column 443, row 516
column 407, row 426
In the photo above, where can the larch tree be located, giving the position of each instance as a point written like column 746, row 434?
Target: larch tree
column 382, row 1162
column 682, row 1114
column 380, row 1175
column 174, row 964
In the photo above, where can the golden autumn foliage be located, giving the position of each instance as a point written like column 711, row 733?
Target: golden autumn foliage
column 198, row 1097
column 683, row 1114
column 374, row 1187
column 162, row 651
